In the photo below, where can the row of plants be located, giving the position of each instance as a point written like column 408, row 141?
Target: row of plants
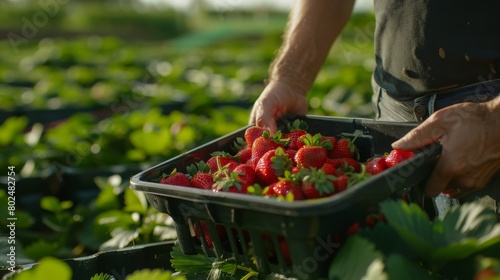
column 28, row 19
column 99, row 71
column 141, row 136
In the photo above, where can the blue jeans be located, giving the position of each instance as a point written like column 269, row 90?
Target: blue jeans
column 387, row 108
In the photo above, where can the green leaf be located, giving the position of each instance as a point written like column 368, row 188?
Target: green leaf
column 358, row 259
column 121, row 238
column 135, row 202
column 164, row 227
column 51, row 203
column 24, row 219
column 227, row 266
column 470, row 220
column 11, row 128
column 40, row 249
column 386, row 240
column 47, row 268
column 156, row 274
column 463, row 231
column 468, row 229
column 102, row 276
column 152, row 142
column 413, row 225
column 189, row 264
column 115, row 219
column 65, row 205
column 399, row 267
column 107, row 199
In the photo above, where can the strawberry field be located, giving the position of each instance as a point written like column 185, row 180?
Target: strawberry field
column 87, row 101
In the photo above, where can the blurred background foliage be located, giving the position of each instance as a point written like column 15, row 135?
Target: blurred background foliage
column 120, row 61
column 97, row 89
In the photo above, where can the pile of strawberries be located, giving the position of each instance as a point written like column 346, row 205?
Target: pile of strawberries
column 295, row 165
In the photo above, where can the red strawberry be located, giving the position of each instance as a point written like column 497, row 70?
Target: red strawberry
column 272, row 165
column 176, row 178
column 316, row 183
column 283, row 187
column 220, row 159
column 338, row 173
column 486, row 273
column 291, row 154
column 296, row 129
column 221, row 233
column 329, row 169
column 345, row 148
column 202, row 180
column 375, row 165
column 341, row 183
column 397, row 156
column 284, row 250
column 353, row 229
column 246, row 174
column 371, row 220
column 331, row 139
column 314, row 153
column 244, row 155
column 346, row 164
column 295, row 170
column 253, row 133
column 200, row 175
column 300, row 142
column 237, row 180
column 265, row 143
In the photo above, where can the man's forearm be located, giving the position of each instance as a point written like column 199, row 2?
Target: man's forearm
column 312, row 28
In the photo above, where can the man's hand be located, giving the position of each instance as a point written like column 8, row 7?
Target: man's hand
column 311, row 30
column 276, row 100
column 470, row 136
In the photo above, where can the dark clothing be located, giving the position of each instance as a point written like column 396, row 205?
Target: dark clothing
column 433, row 54
column 424, row 46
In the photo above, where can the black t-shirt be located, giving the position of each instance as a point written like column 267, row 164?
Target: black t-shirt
column 424, row 46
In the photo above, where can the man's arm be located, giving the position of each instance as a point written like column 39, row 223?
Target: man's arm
column 312, row 28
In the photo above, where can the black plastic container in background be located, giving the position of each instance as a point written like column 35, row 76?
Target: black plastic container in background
column 118, row 263
column 308, row 228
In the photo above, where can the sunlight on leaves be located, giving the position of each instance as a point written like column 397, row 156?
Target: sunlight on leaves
column 48, row 268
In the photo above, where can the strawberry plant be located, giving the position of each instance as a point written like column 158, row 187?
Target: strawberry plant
column 462, row 244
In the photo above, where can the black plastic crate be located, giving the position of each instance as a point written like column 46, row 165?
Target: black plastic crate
column 117, row 263
column 256, row 227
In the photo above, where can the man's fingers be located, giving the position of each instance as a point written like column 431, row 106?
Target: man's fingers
column 260, row 118
column 424, row 134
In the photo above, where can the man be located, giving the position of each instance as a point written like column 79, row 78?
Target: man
column 438, row 63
